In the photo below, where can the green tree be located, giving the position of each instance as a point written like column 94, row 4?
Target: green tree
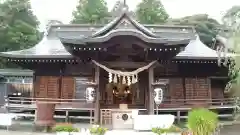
column 91, row 12
column 231, row 21
column 151, row 12
column 232, row 16
column 206, row 27
column 19, row 27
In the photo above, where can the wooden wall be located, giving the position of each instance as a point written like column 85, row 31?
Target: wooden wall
column 198, row 88
column 54, row 87
column 192, row 90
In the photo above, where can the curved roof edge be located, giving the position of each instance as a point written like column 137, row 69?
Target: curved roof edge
column 119, row 32
column 46, row 48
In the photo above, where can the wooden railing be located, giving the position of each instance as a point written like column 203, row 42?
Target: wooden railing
column 60, row 103
column 181, row 103
column 174, row 105
column 64, row 105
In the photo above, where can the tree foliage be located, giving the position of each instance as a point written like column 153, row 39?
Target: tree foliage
column 206, row 27
column 232, row 16
column 231, row 21
column 19, row 26
column 91, row 12
column 151, row 12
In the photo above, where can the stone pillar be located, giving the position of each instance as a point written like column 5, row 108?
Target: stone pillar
column 44, row 114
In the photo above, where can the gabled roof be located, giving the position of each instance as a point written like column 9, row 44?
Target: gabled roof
column 46, row 48
column 123, row 25
column 87, row 30
column 51, row 47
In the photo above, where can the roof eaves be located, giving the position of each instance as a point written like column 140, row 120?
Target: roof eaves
column 8, row 55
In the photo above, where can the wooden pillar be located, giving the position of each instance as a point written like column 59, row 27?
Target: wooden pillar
column 150, row 91
column 32, row 94
column 184, row 88
column 97, row 105
column 209, row 88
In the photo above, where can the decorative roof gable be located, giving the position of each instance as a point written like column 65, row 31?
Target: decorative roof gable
column 124, row 21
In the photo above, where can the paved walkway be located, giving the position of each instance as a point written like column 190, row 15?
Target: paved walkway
column 26, row 128
column 114, row 132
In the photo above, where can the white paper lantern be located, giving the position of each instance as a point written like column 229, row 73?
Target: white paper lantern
column 90, row 94
column 158, row 95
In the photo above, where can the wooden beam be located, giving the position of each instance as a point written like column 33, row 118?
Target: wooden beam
column 97, row 105
column 150, row 90
column 119, row 64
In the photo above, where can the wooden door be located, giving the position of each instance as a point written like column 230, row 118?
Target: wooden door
column 67, row 88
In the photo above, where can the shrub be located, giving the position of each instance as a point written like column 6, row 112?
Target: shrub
column 172, row 129
column 97, row 130
column 202, row 121
column 65, row 127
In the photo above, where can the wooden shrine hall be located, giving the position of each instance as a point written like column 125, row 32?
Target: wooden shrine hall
column 99, row 67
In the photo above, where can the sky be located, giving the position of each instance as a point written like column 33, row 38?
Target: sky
column 62, row 9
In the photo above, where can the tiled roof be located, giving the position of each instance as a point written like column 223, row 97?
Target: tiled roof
column 196, row 49
column 46, row 48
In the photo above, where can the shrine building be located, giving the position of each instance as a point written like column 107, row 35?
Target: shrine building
column 99, row 68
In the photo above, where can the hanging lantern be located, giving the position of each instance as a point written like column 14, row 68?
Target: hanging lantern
column 90, row 94
column 158, row 95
